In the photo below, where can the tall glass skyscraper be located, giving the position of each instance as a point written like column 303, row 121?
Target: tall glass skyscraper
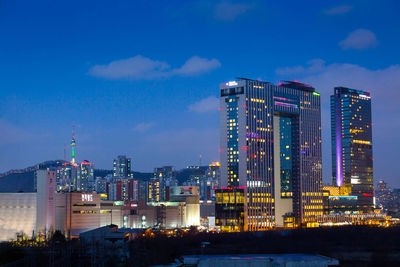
column 271, row 149
column 352, row 144
column 122, row 167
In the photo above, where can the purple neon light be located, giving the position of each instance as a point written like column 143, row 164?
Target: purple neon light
column 286, row 105
column 282, row 98
column 254, row 135
column 339, row 163
column 339, row 174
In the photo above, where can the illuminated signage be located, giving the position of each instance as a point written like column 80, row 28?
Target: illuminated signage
column 233, row 83
column 365, row 96
column 118, row 203
column 87, row 197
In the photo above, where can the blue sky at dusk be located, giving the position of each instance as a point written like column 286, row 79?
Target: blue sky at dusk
column 141, row 77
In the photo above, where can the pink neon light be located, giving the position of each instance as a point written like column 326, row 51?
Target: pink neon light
column 281, row 98
column 230, row 188
column 87, row 163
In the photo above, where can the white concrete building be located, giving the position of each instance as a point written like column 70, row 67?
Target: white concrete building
column 29, row 213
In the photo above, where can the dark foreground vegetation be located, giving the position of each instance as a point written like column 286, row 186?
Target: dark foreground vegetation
column 352, row 246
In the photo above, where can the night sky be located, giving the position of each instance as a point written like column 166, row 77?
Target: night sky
column 141, row 78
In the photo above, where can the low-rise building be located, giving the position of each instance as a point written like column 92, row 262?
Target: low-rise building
column 29, row 214
column 77, row 212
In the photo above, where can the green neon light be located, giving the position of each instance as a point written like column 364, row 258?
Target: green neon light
column 315, row 93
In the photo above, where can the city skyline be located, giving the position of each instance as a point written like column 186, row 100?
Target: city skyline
column 131, row 92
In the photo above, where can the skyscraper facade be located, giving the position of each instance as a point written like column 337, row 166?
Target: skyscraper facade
column 352, row 144
column 122, row 167
column 67, row 177
column 101, row 185
column 271, row 148
column 166, row 178
column 85, row 176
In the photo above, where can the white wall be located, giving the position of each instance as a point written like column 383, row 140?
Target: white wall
column 17, row 214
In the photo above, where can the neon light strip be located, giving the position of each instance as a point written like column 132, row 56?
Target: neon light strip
column 231, row 188
column 338, row 132
column 283, row 99
column 286, row 105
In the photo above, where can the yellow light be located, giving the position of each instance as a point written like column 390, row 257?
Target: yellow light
column 362, row 142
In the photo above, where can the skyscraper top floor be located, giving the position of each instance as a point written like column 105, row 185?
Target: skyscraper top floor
column 345, row 90
column 288, row 84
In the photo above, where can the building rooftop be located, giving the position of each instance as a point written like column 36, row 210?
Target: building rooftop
column 297, row 85
column 345, row 90
column 289, row 84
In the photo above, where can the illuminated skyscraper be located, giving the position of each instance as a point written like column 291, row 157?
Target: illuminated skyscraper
column 352, row 144
column 122, row 167
column 166, row 178
column 101, row 185
column 85, row 176
column 67, row 177
column 271, row 149
column 153, row 190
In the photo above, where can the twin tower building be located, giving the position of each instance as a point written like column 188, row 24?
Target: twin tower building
column 271, row 156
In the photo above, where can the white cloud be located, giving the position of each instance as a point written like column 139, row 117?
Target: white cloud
column 142, row 68
column 143, row 126
column 338, row 10
column 197, row 65
column 313, row 66
column 137, row 67
column 229, row 11
column 383, row 83
column 209, row 104
column 359, row 39
column 385, row 91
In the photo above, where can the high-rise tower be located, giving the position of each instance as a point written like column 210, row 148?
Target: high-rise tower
column 352, row 144
column 73, row 144
column 122, row 167
column 270, row 154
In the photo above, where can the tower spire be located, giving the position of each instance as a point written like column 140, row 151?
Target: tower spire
column 73, row 143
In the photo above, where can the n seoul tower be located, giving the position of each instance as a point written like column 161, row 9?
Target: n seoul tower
column 73, row 144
